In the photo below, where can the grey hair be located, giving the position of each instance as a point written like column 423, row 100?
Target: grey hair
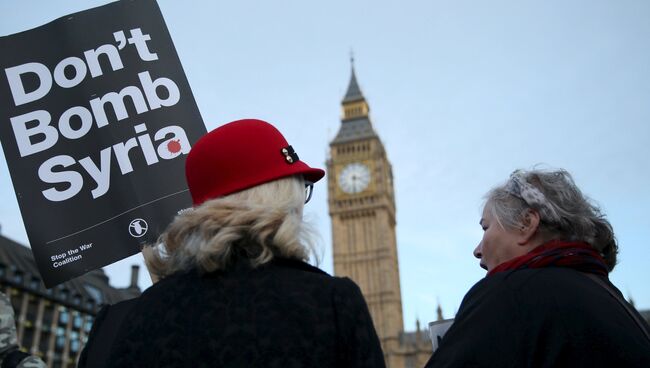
column 256, row 224
column 565, row 213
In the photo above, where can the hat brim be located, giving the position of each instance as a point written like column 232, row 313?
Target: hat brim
column 300, row 168
column 313, row 175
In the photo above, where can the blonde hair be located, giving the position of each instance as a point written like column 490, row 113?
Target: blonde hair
column 256, row 224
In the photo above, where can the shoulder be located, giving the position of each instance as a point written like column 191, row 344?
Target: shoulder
column 498, row 320
column 561, row 282
column 103, row 332
column 99, row 318
column 347, row 287
column 547, row 294
column 115, row 313
column 180, row 282
column 304, row 271
column 529, row 280
column 303, row 276
column 512, row 292
column 297, row 267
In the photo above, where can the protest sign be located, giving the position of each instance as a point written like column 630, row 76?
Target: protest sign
column 96, row 119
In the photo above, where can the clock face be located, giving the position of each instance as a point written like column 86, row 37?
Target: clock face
column 354, row 178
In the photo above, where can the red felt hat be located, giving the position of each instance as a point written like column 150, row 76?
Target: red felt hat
column 240, row 155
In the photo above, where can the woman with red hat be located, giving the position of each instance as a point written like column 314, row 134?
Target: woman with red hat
column 236, row 290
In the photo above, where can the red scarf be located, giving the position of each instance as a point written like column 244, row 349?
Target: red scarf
column 558, row 253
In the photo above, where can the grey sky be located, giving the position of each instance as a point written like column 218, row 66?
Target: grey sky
column 461, row 93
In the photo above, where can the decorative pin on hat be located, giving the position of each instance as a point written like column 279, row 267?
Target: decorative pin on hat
column 290, row 155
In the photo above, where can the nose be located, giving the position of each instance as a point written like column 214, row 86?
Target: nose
column 477, row 251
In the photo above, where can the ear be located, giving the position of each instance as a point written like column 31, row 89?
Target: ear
column 529, row 227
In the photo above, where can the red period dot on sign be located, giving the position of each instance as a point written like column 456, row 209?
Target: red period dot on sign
column 174, row 146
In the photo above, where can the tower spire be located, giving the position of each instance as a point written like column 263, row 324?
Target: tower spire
column 354, row 104
column 355, row 122
column 354, row 92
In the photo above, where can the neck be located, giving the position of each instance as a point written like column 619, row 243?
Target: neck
column 535, row 241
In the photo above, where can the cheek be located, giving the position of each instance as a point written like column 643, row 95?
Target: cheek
column 487, row 245
column 485, row 241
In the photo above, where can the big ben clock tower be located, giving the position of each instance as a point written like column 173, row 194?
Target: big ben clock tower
column 362, row 209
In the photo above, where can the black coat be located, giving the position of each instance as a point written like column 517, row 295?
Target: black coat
column 103, row 333
column 548, row 317
column 282, row 314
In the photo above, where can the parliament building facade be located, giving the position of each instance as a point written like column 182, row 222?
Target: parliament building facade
column 54, row 323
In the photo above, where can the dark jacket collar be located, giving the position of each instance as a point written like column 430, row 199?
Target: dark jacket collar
column 296, row 264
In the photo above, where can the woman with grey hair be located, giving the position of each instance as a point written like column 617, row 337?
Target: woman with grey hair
column 236, row 289
column 546, row 300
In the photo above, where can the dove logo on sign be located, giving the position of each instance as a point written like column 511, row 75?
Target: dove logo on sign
column 138, row 228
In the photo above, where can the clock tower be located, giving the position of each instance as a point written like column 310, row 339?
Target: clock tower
column 362, row 209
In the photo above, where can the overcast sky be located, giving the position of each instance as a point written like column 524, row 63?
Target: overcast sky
column 461, row 94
